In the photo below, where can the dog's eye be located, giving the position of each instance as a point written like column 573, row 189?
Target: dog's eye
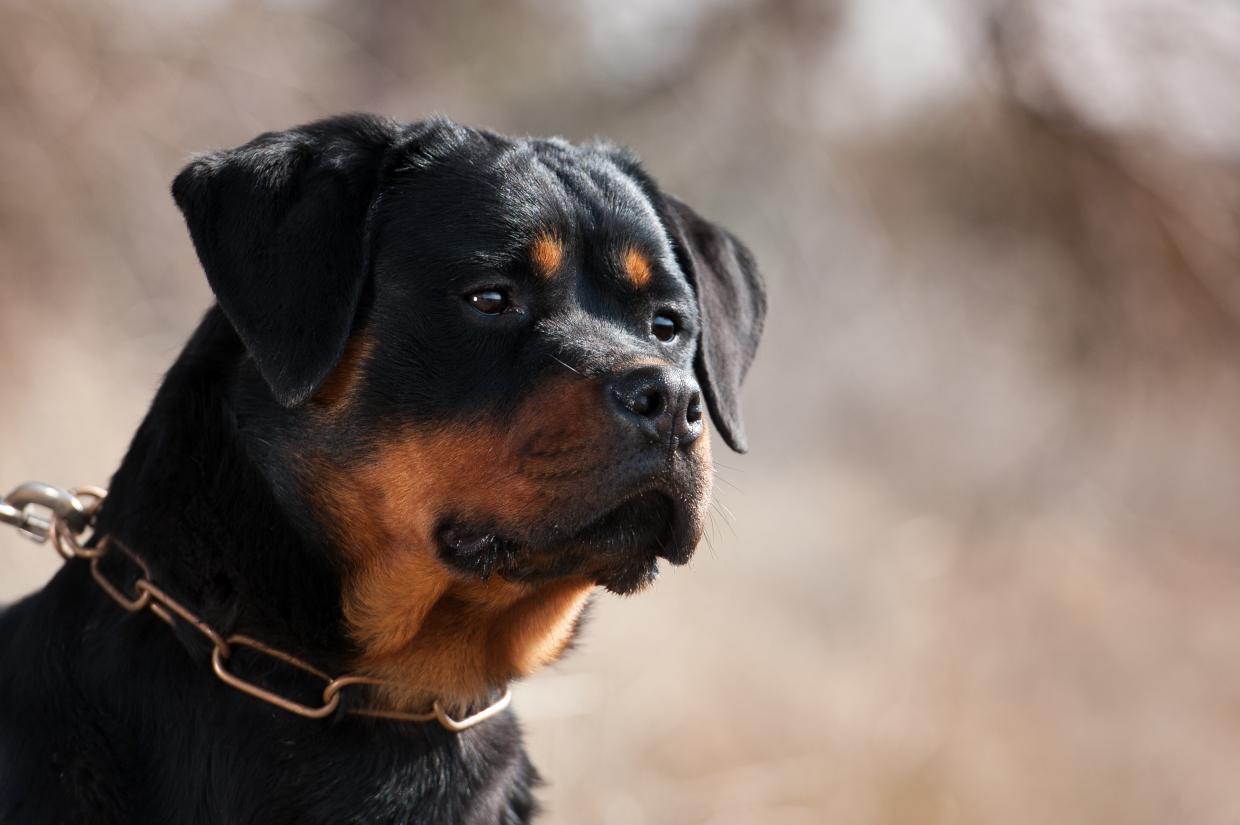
column 489, row 301
column 664, row 327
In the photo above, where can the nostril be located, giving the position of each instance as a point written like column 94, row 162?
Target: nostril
column 661, row 403
column 647, row 402
column 647, row 399
column 693, row 414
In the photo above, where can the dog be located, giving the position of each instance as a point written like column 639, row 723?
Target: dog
column 452, row 383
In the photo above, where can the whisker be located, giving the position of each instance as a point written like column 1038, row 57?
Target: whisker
column 710, row 525
column 565, row 366
column 715, row 502
column 728, row 520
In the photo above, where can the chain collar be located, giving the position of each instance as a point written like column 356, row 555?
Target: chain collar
column 69, row 517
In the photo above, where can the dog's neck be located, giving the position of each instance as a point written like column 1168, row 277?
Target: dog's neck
column 190, row 500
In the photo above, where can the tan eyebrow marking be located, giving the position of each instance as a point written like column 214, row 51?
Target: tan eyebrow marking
column 636, row 267
column 547, row 253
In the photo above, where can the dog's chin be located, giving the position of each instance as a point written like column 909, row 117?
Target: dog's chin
column 620, row 549
column 627, row 542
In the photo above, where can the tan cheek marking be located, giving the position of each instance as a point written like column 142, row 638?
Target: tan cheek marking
column 343, row 382
column 636, row 267
column 430, row 629
column 537, row 629
column 702, row 454
column 547, row 253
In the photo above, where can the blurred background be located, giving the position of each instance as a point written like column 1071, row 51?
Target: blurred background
column 983, row 562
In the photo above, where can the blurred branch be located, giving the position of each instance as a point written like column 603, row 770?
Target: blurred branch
column 1099, row 166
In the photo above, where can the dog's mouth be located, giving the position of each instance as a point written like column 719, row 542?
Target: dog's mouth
column 643, row 522
column 620, row 549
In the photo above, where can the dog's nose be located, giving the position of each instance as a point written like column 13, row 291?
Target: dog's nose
column 661, row 402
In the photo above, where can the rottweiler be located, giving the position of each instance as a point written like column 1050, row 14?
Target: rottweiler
column 451, row 384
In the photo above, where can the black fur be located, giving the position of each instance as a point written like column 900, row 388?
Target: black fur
column 732, row 300
column 306, row 236
column 730, row 294
column 279, row 225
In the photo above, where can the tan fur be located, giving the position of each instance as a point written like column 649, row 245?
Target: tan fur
column 636, row 267
column 438, row 632
column 342, row 384
column 547, row 253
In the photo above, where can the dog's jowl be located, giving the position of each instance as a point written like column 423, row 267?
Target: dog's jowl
column 453, row 383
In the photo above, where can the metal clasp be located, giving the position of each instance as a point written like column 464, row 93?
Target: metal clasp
column 18, row 510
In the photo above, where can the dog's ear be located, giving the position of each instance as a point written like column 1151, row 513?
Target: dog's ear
column 732, row 302
column 280, row 225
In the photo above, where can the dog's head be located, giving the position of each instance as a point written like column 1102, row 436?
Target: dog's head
column 488, row 361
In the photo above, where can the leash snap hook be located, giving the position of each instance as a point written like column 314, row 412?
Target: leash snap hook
column 20, row 509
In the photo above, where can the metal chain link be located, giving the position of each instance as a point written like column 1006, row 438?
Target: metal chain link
column 67, row 517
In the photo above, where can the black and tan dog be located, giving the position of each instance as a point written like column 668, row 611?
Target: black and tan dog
column 453, row 382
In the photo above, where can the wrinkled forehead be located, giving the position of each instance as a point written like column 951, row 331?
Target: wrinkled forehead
column 547, row 203
column 583, row 192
